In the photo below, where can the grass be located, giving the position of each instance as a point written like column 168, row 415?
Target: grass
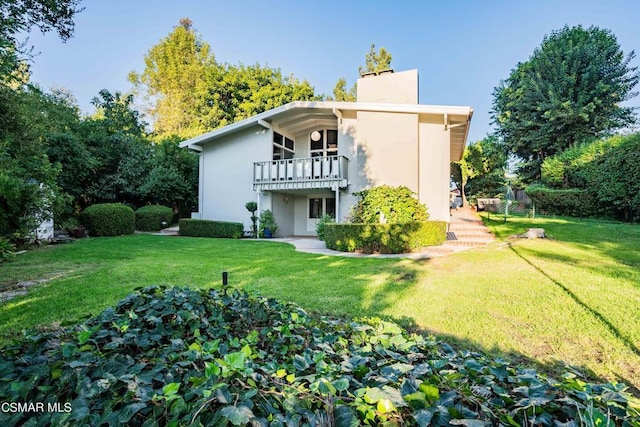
column 571, row 299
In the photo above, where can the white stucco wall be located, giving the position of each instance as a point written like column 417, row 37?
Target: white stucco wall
column 395, row 88
column 283, row 212
column 227, row 174
column 388, row 149
column 435, row 170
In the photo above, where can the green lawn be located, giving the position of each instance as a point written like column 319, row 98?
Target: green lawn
column 574, row 298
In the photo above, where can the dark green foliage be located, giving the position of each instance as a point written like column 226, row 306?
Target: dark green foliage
column 615, row 177
column 267, row 222
column 18, row 17
column 570, row 202
column 153, row 217
column 570, row 90
column 253, row 207
column 175, row 356
column 207, row 228
column 109, row 219
column 481, row 172
column 29, row 192
column 322, row 222
column 398, row 204
column 384, row 238
column 607, row 169
column 6, row 250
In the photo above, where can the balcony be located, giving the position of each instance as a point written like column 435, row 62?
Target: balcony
column 300, row 174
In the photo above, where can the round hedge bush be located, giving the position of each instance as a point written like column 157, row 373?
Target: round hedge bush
column 153, row 217
column 109, row 219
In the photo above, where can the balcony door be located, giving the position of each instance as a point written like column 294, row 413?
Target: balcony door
column 317, row 207
column 323, row 143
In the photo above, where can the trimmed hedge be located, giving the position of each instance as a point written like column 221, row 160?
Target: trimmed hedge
column 569, row 202
column 153, row 217
column 207, row 228
column 109, row 219
column 384, row 238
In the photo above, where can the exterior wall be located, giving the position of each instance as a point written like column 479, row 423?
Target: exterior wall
column 387, row 151
column 227, row 174
column 395, row 88
column 435, row 170
column 283, row 213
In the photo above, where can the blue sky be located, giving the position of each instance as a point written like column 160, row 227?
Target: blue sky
column 462, row 49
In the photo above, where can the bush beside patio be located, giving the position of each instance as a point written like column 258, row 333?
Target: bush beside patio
column 384, row 238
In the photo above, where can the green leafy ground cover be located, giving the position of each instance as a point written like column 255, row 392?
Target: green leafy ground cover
column 175, row 356
column 569, row 300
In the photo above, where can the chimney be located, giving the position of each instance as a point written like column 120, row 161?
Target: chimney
column 388, row 87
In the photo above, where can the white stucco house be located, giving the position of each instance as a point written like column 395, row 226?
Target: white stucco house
column 305, row 159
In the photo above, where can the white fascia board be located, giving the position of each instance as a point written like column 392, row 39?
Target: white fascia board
column 330, row 106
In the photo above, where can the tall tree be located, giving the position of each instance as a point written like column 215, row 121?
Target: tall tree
column 570, row 90
column 340, row 92
column 17, row 17
column 374, row 61
column 193, row 94
column 175, row 76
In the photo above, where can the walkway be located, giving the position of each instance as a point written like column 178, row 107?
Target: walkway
column 466, row 231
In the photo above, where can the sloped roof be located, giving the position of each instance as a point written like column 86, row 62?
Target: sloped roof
column 457, row 119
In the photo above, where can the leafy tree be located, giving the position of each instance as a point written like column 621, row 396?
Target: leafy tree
column 191, row 93
column 175, row 77
column 374, row 61
column 481, row 172
column 340, row 92
column 569, row 91
column 17, row 17
column 115, row 137
column 29, row 192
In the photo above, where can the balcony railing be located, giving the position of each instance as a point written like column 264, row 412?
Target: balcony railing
column 308, row 172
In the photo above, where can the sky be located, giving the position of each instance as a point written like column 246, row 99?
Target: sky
column 462, row 49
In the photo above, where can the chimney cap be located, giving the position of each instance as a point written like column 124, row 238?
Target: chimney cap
column 376, row 73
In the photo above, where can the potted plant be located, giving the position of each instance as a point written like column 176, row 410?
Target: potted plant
column 268, row 226
column 253, row 207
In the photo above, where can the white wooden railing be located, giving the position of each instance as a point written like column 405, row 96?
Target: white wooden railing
column 302, row 170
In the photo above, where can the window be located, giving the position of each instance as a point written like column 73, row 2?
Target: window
column 327, row 145
column 319, row 206
column 282, row 147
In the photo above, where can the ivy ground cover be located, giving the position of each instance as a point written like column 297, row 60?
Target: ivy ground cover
column 570, row 300
column 175, row 356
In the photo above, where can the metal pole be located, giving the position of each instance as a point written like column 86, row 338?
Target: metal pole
column 225, row 279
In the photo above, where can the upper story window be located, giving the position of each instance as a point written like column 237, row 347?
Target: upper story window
column 323, row 143
column 282, row 147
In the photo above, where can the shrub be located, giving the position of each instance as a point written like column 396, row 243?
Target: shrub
column 153, row 217
column 384, row 238
column 267, row 222
column 109, row 219
column 6, row 250
column 398, row 204
column 253, row 207
column 570, row 202
column 207, row 228
column 320, row 225
column 177, row 356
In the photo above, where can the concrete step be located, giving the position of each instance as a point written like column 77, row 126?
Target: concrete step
column 468, row 242
column 467, row 236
